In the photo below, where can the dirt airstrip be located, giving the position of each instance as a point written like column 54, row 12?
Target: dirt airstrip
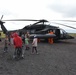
column 53, row 59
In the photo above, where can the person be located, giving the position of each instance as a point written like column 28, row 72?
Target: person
column 23, row 38
column 27, row 35
column 11, row 38
column 17, row 44
column 27, row 43
column 0, row 37
column 50, row 40
column 6, row 43
column 38, row 40
column 34, row 45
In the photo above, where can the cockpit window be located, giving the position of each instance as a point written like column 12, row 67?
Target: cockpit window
column 62, row 31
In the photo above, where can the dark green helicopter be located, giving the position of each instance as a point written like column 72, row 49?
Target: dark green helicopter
column 40, row 29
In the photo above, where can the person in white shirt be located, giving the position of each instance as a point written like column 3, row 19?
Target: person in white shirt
column 34, row 45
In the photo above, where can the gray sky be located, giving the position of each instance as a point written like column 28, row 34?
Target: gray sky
column 38, row 9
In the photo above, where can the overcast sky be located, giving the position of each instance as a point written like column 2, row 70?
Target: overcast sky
column 38, row 9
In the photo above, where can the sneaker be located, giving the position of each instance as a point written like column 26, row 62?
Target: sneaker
column 37, row 53
column 14, row 56
column 5, row 51
column 32, row 53
column 22, row 56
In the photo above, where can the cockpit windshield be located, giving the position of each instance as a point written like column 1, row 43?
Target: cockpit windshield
column 63, row 31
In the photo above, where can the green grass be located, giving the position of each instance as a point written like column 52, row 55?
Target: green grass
column 72, row 34
column 2, row 34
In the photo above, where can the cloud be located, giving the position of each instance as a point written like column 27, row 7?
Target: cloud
column 65, row 8
column 5, row 12
column 35, row 9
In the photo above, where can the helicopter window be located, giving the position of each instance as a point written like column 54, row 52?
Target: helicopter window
column 47, row 26
column 47, row 23
column 32, row 31
column 63, row 31
column 54, row 31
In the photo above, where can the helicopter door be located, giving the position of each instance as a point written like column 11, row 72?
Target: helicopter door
column 57, row 32
column 61, row 34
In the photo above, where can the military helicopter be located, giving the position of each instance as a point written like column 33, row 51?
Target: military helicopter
column 40, row 29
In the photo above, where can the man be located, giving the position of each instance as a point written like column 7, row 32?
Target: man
column 50, row 40
column 17, row 43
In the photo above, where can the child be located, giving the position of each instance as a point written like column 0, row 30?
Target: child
column 23, row 38
column 27, row 43
column 6, row 44
column 34, row 45
column 11, row 38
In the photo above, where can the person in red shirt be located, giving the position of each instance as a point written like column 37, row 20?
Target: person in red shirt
column 17, row 43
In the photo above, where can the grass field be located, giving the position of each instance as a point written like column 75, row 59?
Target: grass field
column 72, row 34
column 2, row 34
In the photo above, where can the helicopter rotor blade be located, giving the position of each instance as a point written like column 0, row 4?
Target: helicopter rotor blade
column 65, row 20
column 64, row 25
column 20, row 20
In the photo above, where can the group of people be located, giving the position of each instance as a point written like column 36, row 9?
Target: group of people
column 23, row 41
column 19, row 42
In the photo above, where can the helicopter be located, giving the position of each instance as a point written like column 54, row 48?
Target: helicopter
column 40, row 29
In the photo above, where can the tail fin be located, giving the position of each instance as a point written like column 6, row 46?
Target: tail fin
column 3, row 27
column 1, row 17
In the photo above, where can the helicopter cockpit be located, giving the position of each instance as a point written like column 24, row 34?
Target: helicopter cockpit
column 64, row 35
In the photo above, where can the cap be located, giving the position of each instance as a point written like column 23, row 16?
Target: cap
column 35, row 36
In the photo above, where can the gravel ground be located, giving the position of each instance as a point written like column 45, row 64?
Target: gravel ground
column 53, row 59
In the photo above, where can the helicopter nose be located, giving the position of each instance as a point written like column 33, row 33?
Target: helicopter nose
column 70, row 37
